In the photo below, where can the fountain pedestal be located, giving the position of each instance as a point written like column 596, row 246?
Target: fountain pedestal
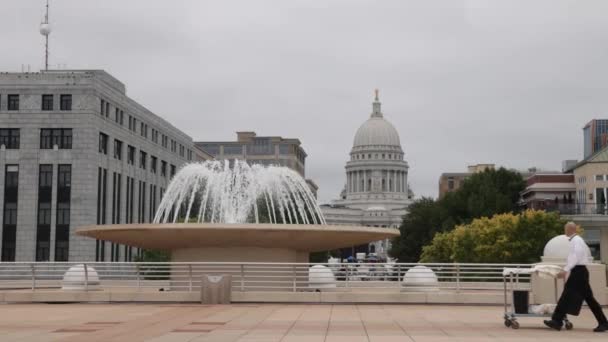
column 238, row 243
column 238, row 254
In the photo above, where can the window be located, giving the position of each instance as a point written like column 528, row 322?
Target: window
column 163, row 168
column 599, row 177
column 173, row 146
column 103, row 143
column 165, row 141
column 62, row 137
column 143, row 130
column 103, row 106
column 181, row 150
column 142, row 159
column 154, row 136
column 102, row 177
column 122, row 118
column 47, row 102
column 134, row 127
column 43, row 230
column 62, row 231
column 117, row 149
column 116, row 197
column 65, row 102
column 450, row 183
column 9, row 222
column 117, row 115
column 13, row 102
column 107, row 109
column 131, row 155
column 189, row 154
column 9, row 137
column 172, row 170
column 153, row 164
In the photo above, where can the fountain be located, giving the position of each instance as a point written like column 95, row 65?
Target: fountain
column 229, row 211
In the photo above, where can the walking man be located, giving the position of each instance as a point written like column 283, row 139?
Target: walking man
column 577, row 286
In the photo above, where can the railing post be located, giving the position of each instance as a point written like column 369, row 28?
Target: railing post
column 294, row 278
column 190, row 276
column 346, row 276
column 398, row 277
column 86, row 277
column 137, row 270
column 33, row 268
column 242, row 277
column 457, row 277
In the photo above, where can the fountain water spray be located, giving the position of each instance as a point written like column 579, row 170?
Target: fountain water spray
column 232, row 191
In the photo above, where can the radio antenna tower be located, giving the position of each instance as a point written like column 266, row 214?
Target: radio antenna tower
column 45, row 30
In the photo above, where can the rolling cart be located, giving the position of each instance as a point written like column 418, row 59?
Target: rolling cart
column 511, row 276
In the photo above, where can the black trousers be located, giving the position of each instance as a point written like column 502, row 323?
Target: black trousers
column 576, row 290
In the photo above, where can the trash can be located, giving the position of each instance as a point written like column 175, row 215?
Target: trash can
column 216, row 289
column 521, row 301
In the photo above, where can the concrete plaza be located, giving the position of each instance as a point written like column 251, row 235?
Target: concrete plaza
column 270, row 322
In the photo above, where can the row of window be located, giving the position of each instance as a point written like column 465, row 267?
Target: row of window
column 62, row 138
column 144, row 201
column 389, row 156
column 47, row 102
column 131, row 153
column 143, row 129
column 43, row 222
column 601, row 178
column 49, row 137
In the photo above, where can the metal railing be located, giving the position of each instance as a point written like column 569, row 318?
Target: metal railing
column 284, row 277
column 575, row 208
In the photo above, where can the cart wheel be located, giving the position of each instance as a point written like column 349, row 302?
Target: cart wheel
column 507, row 323
column 515, row 325
column 568, row 325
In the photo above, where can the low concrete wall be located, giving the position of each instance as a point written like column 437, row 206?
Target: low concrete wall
column 109, row 296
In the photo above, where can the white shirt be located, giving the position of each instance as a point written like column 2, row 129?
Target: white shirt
column 579, row 253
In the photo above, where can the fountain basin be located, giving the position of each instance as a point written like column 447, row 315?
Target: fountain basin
column 220, row 242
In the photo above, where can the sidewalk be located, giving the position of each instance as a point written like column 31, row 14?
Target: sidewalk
column 261, row 322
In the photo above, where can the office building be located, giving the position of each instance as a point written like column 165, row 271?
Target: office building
column 75, row 150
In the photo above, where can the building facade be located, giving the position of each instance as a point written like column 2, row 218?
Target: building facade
column 263, row 150
column 591, row 180
column 376, row 193
column 595, row 136
column 75, row 150
column 452, row 181
column 549, row 191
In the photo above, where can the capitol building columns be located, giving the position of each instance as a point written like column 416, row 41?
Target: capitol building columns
column 375, row 188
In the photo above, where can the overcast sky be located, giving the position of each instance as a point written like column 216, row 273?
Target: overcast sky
column 505, row 82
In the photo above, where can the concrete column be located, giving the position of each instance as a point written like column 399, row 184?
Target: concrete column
column 394, row 181
column 347, row 182
column 604, row 244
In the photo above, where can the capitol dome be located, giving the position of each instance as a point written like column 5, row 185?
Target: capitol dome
column 377, row 131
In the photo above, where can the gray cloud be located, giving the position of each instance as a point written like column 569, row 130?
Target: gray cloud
column 510, row 82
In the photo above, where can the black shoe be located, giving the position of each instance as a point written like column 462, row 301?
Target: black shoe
column 601, row 328
column 553, row 324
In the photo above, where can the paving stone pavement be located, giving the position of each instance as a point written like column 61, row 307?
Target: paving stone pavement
column 274, row 322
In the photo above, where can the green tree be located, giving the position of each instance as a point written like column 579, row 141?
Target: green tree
column 483, row 194
column 417, row 229
column 503, row 238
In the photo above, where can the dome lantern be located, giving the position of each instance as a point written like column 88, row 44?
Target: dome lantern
column 377, row 131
